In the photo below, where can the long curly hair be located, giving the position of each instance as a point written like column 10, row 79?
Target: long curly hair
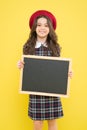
column 52, row 40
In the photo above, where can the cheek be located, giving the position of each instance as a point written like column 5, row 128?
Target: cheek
column 36, row 30
column 48, row 30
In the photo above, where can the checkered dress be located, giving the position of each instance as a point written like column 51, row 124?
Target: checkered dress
column 44, row 107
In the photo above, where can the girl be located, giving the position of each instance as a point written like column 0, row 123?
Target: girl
column 43, row 42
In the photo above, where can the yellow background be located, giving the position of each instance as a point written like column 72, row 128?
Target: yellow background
column 72, row 32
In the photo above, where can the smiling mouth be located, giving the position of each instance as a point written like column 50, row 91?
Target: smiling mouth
column 41, row 32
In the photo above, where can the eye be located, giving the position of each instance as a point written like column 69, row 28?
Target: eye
column 38, row 24
column 46, row 25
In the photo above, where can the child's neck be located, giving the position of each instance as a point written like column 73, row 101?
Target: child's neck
column 42, row 40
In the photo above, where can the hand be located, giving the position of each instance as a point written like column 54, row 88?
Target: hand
column 70, row 74
column 20, row 64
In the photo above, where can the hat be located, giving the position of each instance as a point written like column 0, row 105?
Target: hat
column 43, row 13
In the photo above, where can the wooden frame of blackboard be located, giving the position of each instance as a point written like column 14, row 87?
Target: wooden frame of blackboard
column 39, row 65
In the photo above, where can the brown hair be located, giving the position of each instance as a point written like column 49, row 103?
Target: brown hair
column 53, row 45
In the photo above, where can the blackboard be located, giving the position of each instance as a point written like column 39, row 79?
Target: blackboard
column 44, row 75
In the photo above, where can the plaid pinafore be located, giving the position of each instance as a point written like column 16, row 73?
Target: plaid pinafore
column 44, row 107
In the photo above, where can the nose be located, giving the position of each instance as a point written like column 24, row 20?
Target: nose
column 42, row 27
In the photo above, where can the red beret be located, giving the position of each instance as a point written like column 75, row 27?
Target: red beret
column 43, row 13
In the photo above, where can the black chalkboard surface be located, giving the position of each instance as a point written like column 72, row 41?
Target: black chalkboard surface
column 43, row 75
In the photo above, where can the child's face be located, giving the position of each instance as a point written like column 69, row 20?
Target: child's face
column 42, row 28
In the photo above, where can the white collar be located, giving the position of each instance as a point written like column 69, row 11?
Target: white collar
column 39, row 44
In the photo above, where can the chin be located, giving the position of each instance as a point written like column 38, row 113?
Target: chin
column 42, row 36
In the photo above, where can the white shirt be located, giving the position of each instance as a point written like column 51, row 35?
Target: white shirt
column 39, row 44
